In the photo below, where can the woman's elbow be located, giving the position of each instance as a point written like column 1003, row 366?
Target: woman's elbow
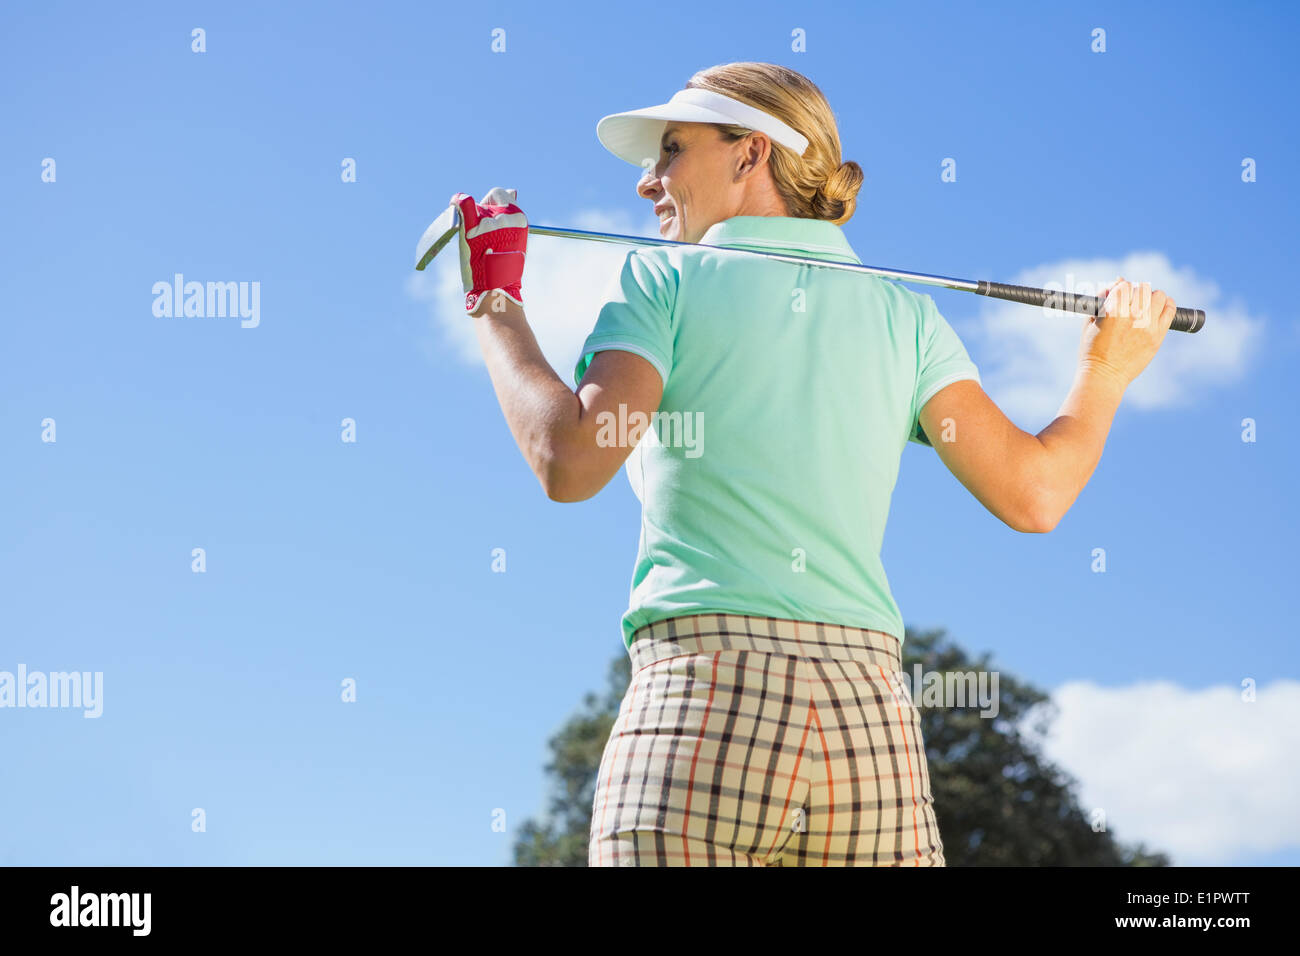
column 1034, row 527
column 1038, row 504
column 562, row 483
column 565, row 493
column 1037, row 518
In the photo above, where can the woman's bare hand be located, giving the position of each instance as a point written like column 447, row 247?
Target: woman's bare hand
column 1122, row 342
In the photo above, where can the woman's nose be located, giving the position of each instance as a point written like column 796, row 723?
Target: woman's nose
column 648, row 184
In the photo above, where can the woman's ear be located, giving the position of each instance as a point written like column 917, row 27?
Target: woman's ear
column 754, row 150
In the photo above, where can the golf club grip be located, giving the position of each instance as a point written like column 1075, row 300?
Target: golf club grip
column 1185, row 320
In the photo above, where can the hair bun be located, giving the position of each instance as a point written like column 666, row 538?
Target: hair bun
column 837, row 197
column 844, row 183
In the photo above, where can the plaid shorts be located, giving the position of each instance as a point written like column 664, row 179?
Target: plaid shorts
column 755, row 741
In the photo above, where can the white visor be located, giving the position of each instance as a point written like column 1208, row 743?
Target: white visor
column 635, row 136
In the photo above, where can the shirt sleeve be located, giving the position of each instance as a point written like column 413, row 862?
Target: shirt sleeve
column 941, row 360
column 636, row 316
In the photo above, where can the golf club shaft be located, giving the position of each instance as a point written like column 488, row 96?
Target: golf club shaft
column 1185, row 320
column 947, row 283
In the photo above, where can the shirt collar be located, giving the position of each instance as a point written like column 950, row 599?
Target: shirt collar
column 787, row 235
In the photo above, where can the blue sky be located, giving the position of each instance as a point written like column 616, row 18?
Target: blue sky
column 372, row 560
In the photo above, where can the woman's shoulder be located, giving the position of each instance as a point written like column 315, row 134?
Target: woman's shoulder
column 662, row 263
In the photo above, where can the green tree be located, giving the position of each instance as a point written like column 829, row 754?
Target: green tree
column 998, row 800
column 560, row 837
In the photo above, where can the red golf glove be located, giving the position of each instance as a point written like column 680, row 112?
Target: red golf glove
column 493, row 237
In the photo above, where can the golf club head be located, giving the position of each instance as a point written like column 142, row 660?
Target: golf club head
column 436, row 236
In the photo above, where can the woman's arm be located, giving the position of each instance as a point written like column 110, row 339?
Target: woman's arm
column 1027, row 481
column 1031, row 481
column 557, row 429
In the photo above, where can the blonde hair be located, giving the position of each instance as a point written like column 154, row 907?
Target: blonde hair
column 817, row 185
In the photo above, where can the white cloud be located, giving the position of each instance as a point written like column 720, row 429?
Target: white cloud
column 1027, row 357
column 1199, row 774
column 564, row 284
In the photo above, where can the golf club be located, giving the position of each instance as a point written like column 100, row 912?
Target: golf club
column 445, row 226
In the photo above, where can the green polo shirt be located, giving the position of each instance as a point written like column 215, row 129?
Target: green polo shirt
column 789, row 394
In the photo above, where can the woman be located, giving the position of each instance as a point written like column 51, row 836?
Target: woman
column 765, row 723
